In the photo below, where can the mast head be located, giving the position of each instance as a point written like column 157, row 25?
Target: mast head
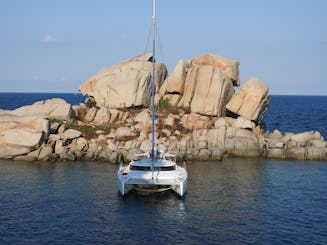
column 154, row 9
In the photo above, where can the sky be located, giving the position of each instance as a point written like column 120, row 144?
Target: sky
column 56, row 45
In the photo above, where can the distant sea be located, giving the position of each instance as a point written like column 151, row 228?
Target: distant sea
column 297, row 114
column 11, row 101
column 285, row 113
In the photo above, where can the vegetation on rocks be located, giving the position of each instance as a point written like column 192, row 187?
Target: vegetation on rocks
column 90, row 102
column 163, row 104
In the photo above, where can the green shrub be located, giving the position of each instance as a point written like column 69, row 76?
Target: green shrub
column 188, row 109
column 88, row 131
column 90, row 103
column 163, row 104
column 82, row 128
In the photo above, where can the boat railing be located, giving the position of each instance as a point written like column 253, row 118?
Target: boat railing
column 169, row 156
column 140, row 156
column 184, row 165
column 121, row 167
column 160, row 155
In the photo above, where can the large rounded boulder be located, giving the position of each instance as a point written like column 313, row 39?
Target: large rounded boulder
column 127, row 84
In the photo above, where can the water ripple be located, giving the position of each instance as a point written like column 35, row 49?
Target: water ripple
column 247, row 201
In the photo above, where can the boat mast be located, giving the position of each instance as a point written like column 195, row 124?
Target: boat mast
column 153, row 76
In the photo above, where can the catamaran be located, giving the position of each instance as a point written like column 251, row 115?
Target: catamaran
column 153, row 171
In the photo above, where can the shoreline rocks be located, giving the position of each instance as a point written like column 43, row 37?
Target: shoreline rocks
column 191, row 122
column 189, row 136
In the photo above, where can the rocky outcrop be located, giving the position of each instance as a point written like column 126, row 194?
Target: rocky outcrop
column 21, row 135
column 204, row 84
column 195, row 129
column 302, row 146
column 176, row 80
column 127, row 84
column 250, row 101
column 213, row 90
column 102, row 116
column 26, row 129
column 229, row 67
column 189, row 136
column 195, row 121
column 53, row 108
column 8, row 151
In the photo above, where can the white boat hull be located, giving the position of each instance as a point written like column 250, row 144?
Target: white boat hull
column 152, row 181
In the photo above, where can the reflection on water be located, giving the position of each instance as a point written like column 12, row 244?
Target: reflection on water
column 160, row 203
column 232, row 201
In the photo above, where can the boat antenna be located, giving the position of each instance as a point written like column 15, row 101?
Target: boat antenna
column 153, row 77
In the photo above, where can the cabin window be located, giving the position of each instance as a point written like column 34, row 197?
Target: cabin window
column 148, row 168
column 140, row 168
column 169, row 168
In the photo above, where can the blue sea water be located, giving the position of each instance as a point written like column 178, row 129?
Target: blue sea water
column 235, row 201
column 297, row 114
column 11, row 101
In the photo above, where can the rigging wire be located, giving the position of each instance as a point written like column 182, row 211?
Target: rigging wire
column 147, row 40
column 147, row 44
column 160, row 113
column 160, row 46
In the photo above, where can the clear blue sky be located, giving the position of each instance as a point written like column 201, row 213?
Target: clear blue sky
column 54, row 46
